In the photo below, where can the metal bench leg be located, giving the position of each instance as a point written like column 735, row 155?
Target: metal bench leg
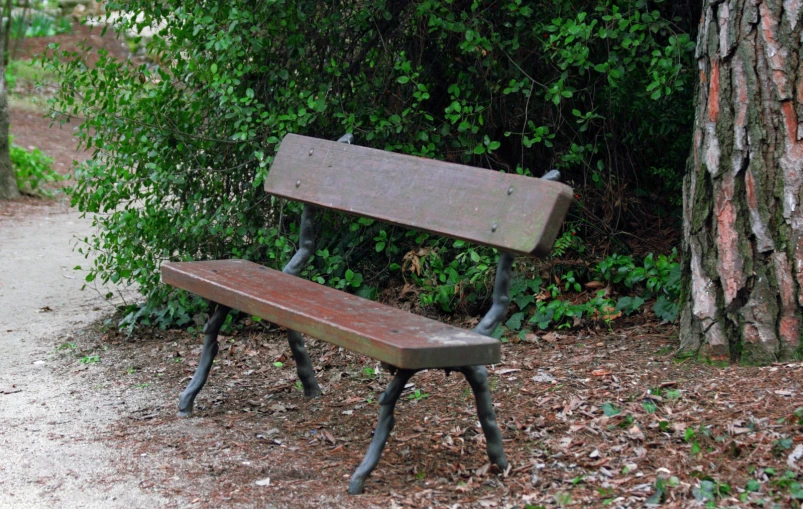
column 477, row 377
column 211, row 330
column 384, row 426
column 303, row 364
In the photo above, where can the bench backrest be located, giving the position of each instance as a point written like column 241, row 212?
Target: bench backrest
column 510, row 212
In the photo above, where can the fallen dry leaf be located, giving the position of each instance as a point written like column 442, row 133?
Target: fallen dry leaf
column 636, row 433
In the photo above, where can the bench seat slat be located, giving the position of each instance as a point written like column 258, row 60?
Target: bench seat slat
column 511, row 212
column 382, row 332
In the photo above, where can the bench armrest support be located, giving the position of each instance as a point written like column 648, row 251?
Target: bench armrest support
column 306, row 242
column 501, row 297
column 306, row 238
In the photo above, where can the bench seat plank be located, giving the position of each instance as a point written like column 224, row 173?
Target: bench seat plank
column 511, row 212
column 382, row 332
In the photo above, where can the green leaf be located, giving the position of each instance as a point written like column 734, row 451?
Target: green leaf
column 665, row 309
column 514, row 322
column 403, row 79
column 522, row 300
column 366, row 292
column 610, row 410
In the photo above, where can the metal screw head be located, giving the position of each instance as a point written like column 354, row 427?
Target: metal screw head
column 310, row 151
column 298, row 183
column 510, row 190
column 494, row 227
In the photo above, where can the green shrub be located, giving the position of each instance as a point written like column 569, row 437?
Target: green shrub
column 542, row 305
column 38, row 24
column 183, row 144
column 11, row 78
column 33, row 169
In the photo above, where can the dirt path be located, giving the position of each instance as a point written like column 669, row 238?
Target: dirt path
column 46, row 418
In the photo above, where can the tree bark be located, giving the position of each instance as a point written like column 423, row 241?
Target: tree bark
column 8, row 181
column 742, row 216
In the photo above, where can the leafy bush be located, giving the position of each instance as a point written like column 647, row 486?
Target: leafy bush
column 33, row 169
column 38, row 24
column 182, row 145
column 545, row 305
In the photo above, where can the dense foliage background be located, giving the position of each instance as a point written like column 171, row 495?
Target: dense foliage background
column 599, row 89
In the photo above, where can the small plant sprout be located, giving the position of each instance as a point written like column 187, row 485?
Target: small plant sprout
column 418, row 395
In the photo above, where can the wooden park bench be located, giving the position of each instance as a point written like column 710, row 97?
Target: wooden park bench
column 513, row 213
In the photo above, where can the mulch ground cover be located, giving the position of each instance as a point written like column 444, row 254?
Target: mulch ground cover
column 590, row 418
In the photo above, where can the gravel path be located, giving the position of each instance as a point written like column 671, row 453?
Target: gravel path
column 48, row 425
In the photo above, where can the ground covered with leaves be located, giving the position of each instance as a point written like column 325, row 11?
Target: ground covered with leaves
column 590, row 418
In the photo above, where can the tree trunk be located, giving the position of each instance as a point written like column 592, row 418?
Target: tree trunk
column 8, row 181
column 742, row 216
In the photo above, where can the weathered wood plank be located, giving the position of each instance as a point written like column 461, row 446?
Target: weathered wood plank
column 382, row 332
column 511, row 212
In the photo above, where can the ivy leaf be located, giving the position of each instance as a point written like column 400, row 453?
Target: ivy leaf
column 514, row 322
column 523, row 300
column 753, row 485
column 665, row 309
column 629, row 304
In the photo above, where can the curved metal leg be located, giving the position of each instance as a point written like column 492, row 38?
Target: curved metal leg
column 384, row 426
column 477, row 377
column 303, row 364
column 211, row 330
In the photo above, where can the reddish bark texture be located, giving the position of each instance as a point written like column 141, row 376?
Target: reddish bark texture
column 743, row 221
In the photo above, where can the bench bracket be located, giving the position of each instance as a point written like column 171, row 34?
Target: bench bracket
column 306, row 246
column 477, row 377
column 210, row 348
column 384, row 425
column 501, row 296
